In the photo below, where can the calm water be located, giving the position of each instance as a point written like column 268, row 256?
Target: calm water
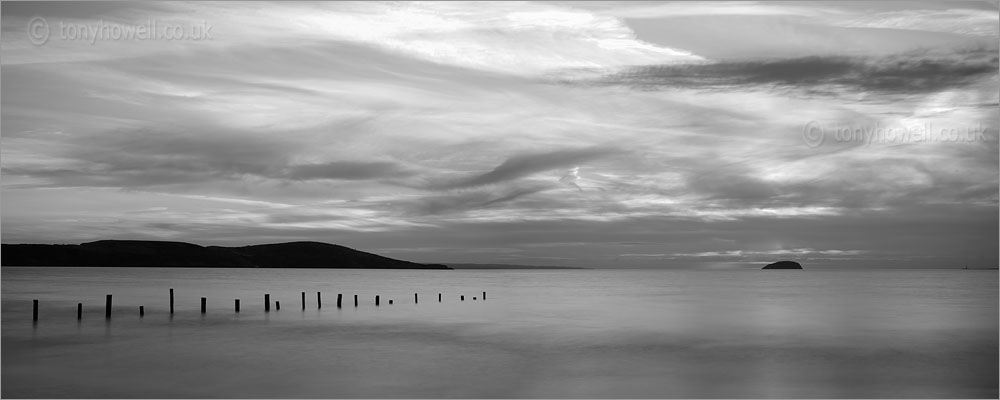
column 560, row 333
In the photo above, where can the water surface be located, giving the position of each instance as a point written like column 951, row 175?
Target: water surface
column 556, row 333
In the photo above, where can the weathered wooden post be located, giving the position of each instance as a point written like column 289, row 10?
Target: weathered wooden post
column 171, row 300
column 142, row 311
column 319, row 300
column 34, row 311
column 107, row 307
column 303, row 301
column 339, row 296
column 237, row 306
column 79, row 311
column 277, row 305
column 267, row 303
column 355, row 301
column 415, row 298
column 203, row 303
column 376, row 299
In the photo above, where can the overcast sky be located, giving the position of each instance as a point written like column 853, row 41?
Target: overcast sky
column 594, row 134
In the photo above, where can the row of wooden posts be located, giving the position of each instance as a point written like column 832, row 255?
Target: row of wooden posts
column 204, row 302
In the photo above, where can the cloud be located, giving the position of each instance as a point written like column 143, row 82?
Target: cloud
column 977, row 22
column 147, row 158
column 475, row 199
column 140, row 158
column 510, row 38
column 438, row 125
column 349, row 170
column 657, row 10
column 910, row 73
column 571, row 178
column 528, row 164
column 727, row 184
column 76, row 10
column 780, row 252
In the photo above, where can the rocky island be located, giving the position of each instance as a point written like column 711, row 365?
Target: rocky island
column 783, row 265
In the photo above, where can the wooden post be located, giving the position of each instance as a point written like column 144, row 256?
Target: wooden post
column 142, row 311
column 79, row 311
column 303, row 301
column 267, row 303
column 107, row 307
column 339, row 296
column 355, row 300
column 439, row 297
column 171, row 300
column 484, row 295
column 277, row 305
column 414, row 298
column 237, row 306
column 376, row 299
column 463, row 297
column 34, row 311
column 319, row 300
column 203, row 303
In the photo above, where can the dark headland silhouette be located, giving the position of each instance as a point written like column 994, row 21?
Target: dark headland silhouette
column 783, row 265
column 142, row 253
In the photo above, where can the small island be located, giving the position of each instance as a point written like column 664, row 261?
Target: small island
column 783, row 265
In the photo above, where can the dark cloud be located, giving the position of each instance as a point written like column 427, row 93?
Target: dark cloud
column 527, row 164
column 145, row 158
column 731, row 185
column 909, row 73
column 469, row 200
column 153, row 157
column 346, row 170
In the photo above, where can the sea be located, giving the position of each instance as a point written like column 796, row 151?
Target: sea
column 596, row 333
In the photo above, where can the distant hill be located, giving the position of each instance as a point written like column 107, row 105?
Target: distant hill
column 141, row 253
column 506, row 266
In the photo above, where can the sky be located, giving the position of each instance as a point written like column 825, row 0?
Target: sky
column 708, row 135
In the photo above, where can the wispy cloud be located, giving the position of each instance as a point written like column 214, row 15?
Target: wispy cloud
column 527, row 164
column 468, row 35
column 908, row 73
column 476, row 199
column 592, row 131
column 780, row 252
column 349, row 170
